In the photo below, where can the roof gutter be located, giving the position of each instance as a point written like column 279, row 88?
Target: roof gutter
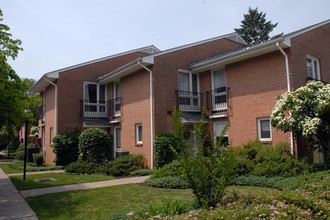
column 55, row 130
column 288, row 85
column 151, row 116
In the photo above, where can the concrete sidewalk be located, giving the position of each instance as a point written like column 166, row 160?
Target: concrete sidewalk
column 81, row 186
column 12, row 204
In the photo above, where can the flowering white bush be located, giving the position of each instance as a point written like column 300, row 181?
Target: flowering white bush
column 305, row 111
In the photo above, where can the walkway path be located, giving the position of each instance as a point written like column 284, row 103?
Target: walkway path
column 36, row 172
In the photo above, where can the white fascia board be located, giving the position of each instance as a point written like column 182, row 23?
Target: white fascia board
column 42, row 83
column 244, row 54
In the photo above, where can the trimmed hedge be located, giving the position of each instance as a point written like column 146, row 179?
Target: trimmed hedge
column 143, row 172
column 82, row 167
column 169, row 182
column 171, row 169
column 123, row 166
column 38, row 159
column 65, row 146
column 163, row 153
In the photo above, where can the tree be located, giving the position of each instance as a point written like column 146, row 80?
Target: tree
column 254, row 28
column 207, row 167
column 306, row 111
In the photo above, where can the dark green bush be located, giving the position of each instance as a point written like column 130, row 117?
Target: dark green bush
column 38, row 159
column 171, row 169
column 82, row 167
column 30, row 145
column 65, row 146
column 123, row 166
column 19, row 155
column 169, row 182
column 143, row 172
column 255, row 158
column 95, row 145
column 163, row 153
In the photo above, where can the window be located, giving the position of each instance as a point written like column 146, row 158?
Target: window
column 219, row 93
column 138, row 129
column 313, row 68
column 218, row 128
column 117, row 103
column 51, row 135
column 188, row 94
column 95, row 100
column 117, row 140
column 264, row 131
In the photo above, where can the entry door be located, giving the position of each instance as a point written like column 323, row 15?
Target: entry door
column 117, row 140
column 217, row 129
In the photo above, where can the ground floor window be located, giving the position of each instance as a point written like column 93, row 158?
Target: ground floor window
column 264, row 130
column 138, row 129
column 218, row 128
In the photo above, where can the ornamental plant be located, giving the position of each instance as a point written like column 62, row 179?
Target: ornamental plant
column 206, row 165
column 306, row 112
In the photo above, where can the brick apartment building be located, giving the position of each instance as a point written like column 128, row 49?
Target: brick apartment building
column 132, row 95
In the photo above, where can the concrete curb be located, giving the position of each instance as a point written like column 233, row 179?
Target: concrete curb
column 81, row 186
column 12, row 204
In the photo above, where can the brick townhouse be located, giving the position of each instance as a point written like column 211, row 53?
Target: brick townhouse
column 132, row 95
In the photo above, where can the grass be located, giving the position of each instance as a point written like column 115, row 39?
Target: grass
column 8, row 170
column 102, row 202
column 61, row 179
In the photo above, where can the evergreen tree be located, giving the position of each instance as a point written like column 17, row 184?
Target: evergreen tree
column 254, row 28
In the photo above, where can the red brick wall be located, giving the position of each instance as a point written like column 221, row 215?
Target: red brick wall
column 165, row 73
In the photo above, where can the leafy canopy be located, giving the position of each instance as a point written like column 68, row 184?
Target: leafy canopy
column 254, row 28
column 305, row 111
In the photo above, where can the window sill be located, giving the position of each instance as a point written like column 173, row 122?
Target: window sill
column 138, row 144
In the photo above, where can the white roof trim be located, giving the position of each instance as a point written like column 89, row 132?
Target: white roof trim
column 219, row 116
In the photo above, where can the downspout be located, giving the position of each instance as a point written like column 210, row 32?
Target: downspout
column 151, row 116
column 288, row 85
column 55, row 130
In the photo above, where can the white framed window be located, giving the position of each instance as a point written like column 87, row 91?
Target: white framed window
column 95, row 104
column 117, row 140
column 188, row 94
column 51, row 135
column 219, row 90
column 138, row 131
column 218, row 128
column 116, row 103
column 264, row 129
column 313, row 67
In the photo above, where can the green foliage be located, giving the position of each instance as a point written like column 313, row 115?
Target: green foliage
column 82, row 167
column 123, row 166
column 31, row 145
column 163, row 153
column 34, row 132
column 65, row 146
column 208, row 170
column 172, row 169
column 38, row 159
column 254, row 28
column 18, row 165
column 143, row 172
column 20, row 155
column 8, row 138
column 305, row 111
column 169, row 182
column 255, row 158
column 95, row 145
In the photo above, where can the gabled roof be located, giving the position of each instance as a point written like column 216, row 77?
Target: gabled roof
column 42, row 83
column 149, row 59
column 240, row 54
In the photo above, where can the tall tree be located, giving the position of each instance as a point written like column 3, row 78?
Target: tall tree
column 254, row 28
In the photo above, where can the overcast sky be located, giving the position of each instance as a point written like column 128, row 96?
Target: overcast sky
column 62, row 33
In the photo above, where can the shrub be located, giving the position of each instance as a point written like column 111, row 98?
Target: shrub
column 65, row 146
column 38, row 159
column 30, row 145
column 19, row 155
column 255, row 158
column 20, row 147
column 169, row 182
column 172, row 169
column 123, row 166
column 82, row 167
column 143, row 172
column 163, row 152
column 95, row 145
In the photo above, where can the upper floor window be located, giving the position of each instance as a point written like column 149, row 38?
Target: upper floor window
column 219, row 90
column 117, row 99
column 94, row 100
column 313, row 68
column 264, row 129
column 138, row 128
column 188, row 95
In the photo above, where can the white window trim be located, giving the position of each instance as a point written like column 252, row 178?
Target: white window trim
column 212, row 86
column 318, row 77
column 51, row 134
column 137, row 133
column 214, row 129
column 191, row 87
column 118, row 113
column 259, row 129
column 97, row 98
column 115, row 140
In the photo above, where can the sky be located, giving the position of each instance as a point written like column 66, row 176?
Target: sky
column 61, row 33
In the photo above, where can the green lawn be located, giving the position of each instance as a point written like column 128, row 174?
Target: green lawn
column 61, row 179
column 7, row 169
column 103, row 202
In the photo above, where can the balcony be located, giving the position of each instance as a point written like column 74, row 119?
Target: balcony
column 217, row 99
column 313, row 79
column 114, row 107
column 93, row 109
column 189, row 101
column 41, row 112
